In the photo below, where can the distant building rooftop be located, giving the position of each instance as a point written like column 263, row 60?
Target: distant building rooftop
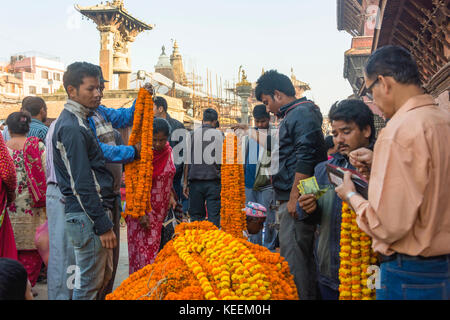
column 29, row 54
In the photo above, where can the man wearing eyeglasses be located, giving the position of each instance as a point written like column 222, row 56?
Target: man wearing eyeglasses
column 408, row 211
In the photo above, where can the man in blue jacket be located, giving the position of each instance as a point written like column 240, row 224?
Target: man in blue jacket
column 352, row 128
column 103, row 122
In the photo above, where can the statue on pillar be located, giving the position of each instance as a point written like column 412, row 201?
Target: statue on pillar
column 118, row 29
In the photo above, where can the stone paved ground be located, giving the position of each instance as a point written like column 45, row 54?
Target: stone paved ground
column 122, row 269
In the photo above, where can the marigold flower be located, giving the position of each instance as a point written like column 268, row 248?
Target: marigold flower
column 172, row 276
column 355, row 253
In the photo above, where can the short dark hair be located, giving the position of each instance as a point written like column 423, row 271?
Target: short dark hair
column 161, row 125
column 329, row 143
column 260, row 112
column 273, row 80
column 210, row 115
column 19, row 122
column 393, row 61
column 161, row 102
column 13, row 280
column 77, row 71
column 33, row 105
column 353, row 110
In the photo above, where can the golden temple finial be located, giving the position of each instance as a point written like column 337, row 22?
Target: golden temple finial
column 118, row 3
column 242, row 80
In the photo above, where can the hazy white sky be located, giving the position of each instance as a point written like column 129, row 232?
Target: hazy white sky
column 218, row 35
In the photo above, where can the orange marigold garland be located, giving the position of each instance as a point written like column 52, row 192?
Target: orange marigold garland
column 232, row 216
column 138, row 174
column 356, row 256
column 204, row 263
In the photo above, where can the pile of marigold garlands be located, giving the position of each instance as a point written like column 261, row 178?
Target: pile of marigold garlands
column 232, row 217
column 205, row 263
column 138, row 174
column 356, row 256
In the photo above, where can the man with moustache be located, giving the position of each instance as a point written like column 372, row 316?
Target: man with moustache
column 352, row 128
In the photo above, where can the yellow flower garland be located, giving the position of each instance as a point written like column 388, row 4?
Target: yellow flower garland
column 204, row 263
column 232, row 217
column 356, row 256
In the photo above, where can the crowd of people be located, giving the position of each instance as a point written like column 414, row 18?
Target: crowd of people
column 68, row 178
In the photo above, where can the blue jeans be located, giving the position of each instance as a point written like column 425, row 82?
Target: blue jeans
column 62, row 254
column 410, row 278
column 266, row 198
column 94, row 263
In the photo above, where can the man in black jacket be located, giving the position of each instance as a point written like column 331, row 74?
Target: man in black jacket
column 299, row 148
column 85, row 182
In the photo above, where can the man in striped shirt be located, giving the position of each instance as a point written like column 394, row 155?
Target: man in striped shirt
column 38, row 109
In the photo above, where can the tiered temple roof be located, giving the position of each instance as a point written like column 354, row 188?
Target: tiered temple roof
column 102, row 14
column 350, row 17
column 421, row 26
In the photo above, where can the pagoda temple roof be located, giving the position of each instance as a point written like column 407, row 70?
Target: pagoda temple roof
column 112, row 7
column 420, row 26
column 349, row 17
column 299, row 83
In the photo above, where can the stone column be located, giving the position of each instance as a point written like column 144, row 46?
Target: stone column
column 106, row 53
column 244, row 92
column 124, row 64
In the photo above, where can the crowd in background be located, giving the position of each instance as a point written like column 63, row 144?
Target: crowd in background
column 65, row 182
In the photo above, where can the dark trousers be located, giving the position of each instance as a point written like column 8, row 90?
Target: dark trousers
column 327, row 293
column 203, row 192
column 116, row 212
column 178, row 188
column 297, row 247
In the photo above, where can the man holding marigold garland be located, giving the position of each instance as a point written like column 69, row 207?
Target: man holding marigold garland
column 352, row 128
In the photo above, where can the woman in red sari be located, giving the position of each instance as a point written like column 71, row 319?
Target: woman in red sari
column 27, row 212
column 144, row 234
column 8, row 183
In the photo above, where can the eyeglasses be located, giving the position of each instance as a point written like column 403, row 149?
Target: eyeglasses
column 369, row 93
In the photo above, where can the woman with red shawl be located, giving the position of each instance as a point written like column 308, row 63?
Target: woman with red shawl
column 144, row 234
column 27, row 212
column 8, row 183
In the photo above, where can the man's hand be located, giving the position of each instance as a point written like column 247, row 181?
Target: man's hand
column 292, row 207
column 144, row 221
column 308, row 203
column 149, row 88
column 346, row 187
column 138, row 147
column 186, row 191
column 11, row 197
column 361, row 159
column 108, row 240
column 241, row 126
column 172, row 202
